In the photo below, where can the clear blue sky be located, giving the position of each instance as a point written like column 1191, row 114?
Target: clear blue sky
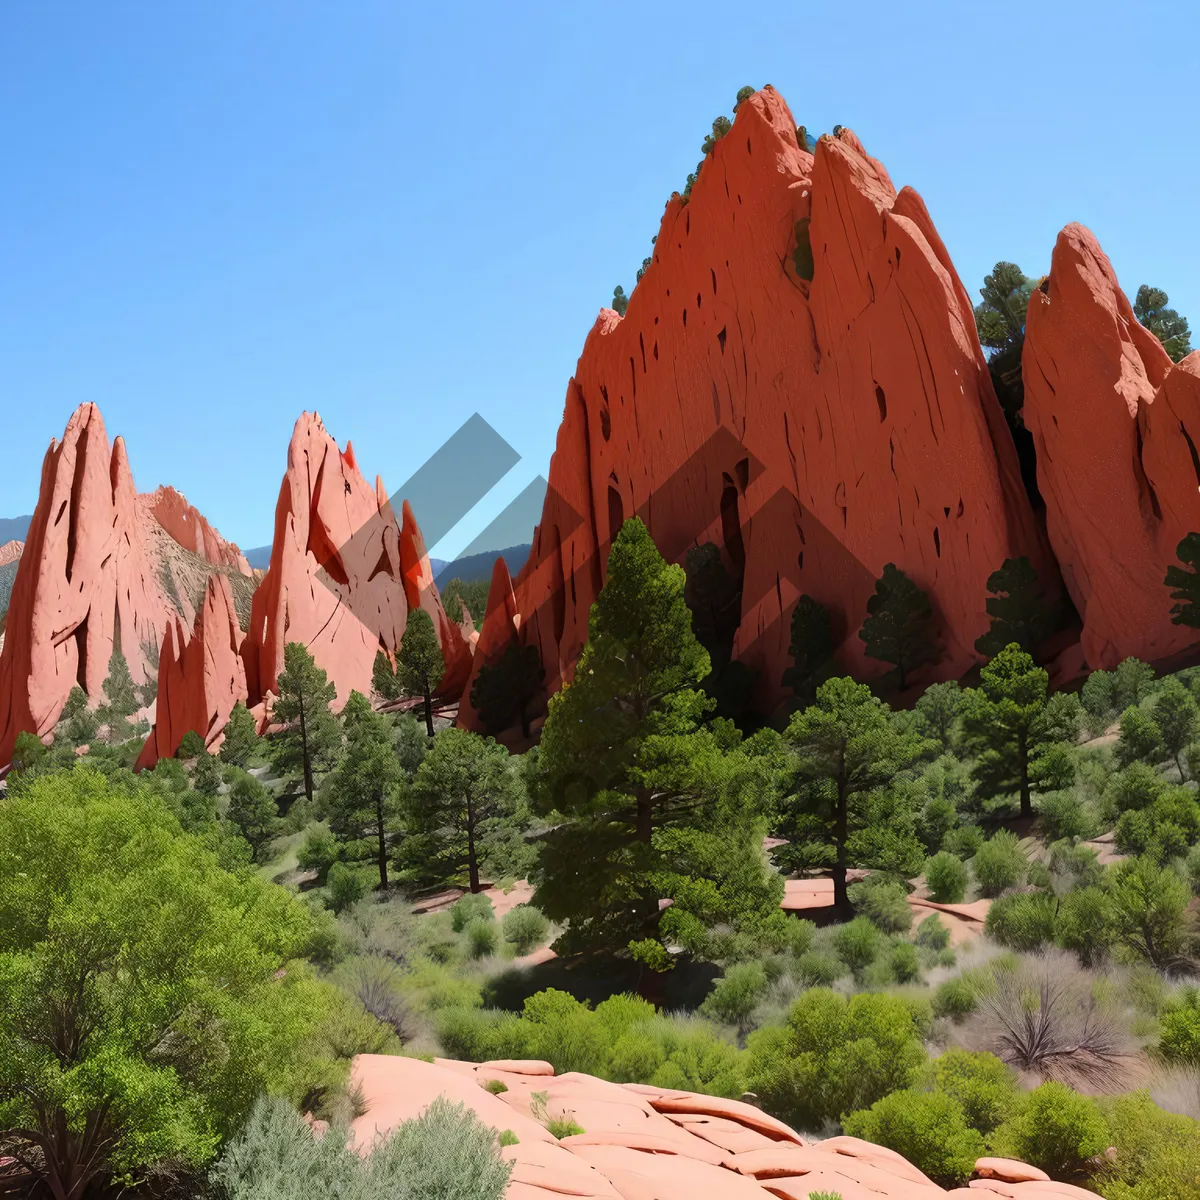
column 215, row 215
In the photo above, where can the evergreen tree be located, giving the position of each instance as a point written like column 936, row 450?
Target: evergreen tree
column 847, row 747
column 120, row 699
column 1178, row 718
column 464, row 803
column 363, row 790
column 620, row 302
column 1000, row 323
column 1150, row 308
column 1016, row 607
column 714, row 599
column 419, row 665
column 1185, row 583
column 473, row 594
column 938, row 711
column 503, row 691
column 899, row 624
column 241, row 743
column 253, row 810
column 77, row 724
column 621, row 753
column 1141, row 739
column 207, row 778
column 383, row 677
column 1005, row 725
column 311, row 738
column 191, row 745
column 811, row 649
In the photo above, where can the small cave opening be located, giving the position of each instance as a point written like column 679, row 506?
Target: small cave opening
column 721, row 338
column 605, row 423
column 881, row 401
column 731, row 532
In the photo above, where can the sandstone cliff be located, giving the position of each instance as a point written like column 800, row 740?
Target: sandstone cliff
column 1116, row 428
column 815, row 428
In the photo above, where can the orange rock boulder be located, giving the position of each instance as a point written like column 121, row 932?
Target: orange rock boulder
column 1116, row 429
column 815, row 421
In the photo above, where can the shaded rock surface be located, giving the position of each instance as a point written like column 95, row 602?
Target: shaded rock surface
column 648, row 1143
column 501, row 623
column 815, row 429
column 1116, row 429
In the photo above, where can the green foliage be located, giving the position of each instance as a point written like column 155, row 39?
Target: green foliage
column 927, row 1128
column 939, row 709
column 1018, row 610
column 1141, row 739
column 846, row 749
column 955, row 998
column 318, row 852
column 899, row 624
column 1084, row 924
column 810, row 650
column 1178, row 719
column 208, row 776
column 242, row 743
column 252, row 809
column 714, row 598
column 1065, row 815
column 503, row 690
column 1022, row 921
column 362, row 793
column 1157, row 1153
column 310, row 739
column 964, row 842
column 1150, row 308
column 884, row 902
column 1000, row 323
column 1000, row 863
column 835, row 1055
column 191, row 745
column 1179, row 1039
column 466, row 810
column 141, row 1010
column 1184, row 583
column 419, row 662
column 932, row 934
column 473, row 595
column 525, row 927
column 383, row 677
column 347, row 885
column 946, row 877
column 1055, row 1129
column 980, row 1082
column 1149, row 903
column 77, row 724
column 482, row 938
column 736, row 994
column 620, row 302
column 1106, row 694
column 120, row 700
column 474, row 906
column 446, row 1153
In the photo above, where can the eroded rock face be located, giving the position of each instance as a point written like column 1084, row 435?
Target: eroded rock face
column 1116, row 430
column 500, row 627
column 10, row 552
column 200, row 678
column 816, row 429
column 343, row 575
column 190, row 529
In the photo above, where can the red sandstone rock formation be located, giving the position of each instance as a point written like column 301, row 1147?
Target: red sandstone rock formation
column 200, row 678
column 10, row 552
column 816, row 429
column 89, row 575
column 342, row 576
column 1116, row 430
column 501, row 623
column 189, row 528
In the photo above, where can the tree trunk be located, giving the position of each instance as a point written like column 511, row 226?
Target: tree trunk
column 645, row 816
column 429, row 714
column 308, row 777
column 841, row 834
column 383, row 875
column 472, row 859
column 1023, row 757
column 1179, row 767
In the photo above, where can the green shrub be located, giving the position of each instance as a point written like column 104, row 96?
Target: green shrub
column 884, row 903
column 1141, row 739
column 999, row 863
column 497, row 1087
column 482, row 1035
column 1064, row 815
column 561, row 1127
column 927, row 1128
column 903, row 962
column 858, row 943
column 1022, row 921
column 818, row 968
column 1135, row 788
column 1193, row 868
column 963, row 842
column 1085, row 924
column 1158, row 1153
column 446, row 1152
column 1179, row 1040
column 736, row 994
column 318, row 852
column 932, row 934
column 955, row 998
column 526, row 927
column 191, row 745
column 482, row 938
column 946, row 877
column 1055, row 1129
column 472, row 907
column 347, row 885
column 508, row 1138
column 980, row 1082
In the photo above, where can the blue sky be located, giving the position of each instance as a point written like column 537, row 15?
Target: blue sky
column 216, row 215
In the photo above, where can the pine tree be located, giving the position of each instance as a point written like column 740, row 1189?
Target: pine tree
column 1000, row 323
column 241, row 743
column 465, row 797
column 1185, row 582
column 191, row 745
column 847, row 747
column 503, row 691
column 1017, row 609
column 1178, row 718
column 714, row 598
column 77, row 724
column 620, row 302
column 811, row 650
column 899, row 624
column 207, row 776
column 383, row 677
column 253, row 810
column 1150, row 308
column 1005, row 724
column 120, row 699
column 311, row 738
column 419, row 665
column 363, row 790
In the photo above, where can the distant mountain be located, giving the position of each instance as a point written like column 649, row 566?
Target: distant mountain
column 259, row 557
column 473, row 567
column 14, row 529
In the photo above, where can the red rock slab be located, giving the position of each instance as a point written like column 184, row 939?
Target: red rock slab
column 679, row 1142
column 1096, row 398
column 801, row 1187
column 871, row 1170
column 1026, row 1191
column 398, row 1089
column 549, row 1170
column 1009, row 1170
column 730, row 1136
column 734, row 1110
column 666, row 1176
column 853, row 1147
column 516, row 1066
